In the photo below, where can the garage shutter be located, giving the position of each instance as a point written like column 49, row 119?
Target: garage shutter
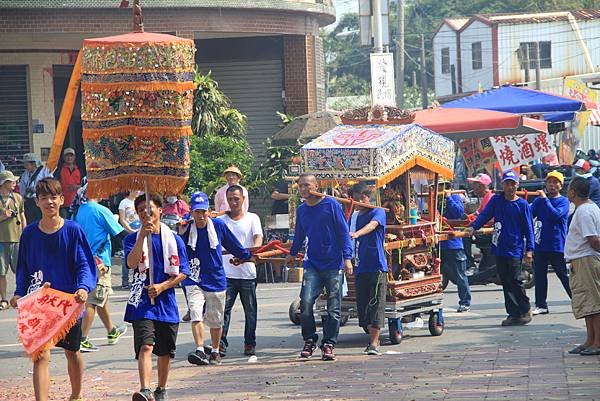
column 14, row 116
column 254, row 88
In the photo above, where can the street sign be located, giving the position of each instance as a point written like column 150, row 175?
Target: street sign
column 383, row 92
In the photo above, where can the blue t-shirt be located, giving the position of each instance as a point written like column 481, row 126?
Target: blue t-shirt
column 512, row 226
column 550, row 223
column 64, row 259
column 165, row 305
column 206, row 264
column 454, row 209
column 371, row 256
column 98, row 224
column 326, row 231
column 594, row 190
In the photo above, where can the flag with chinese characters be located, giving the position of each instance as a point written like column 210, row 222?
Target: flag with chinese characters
column 513, row 151
column 45, row 318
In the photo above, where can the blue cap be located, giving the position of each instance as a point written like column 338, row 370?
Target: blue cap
column 510, row 175
column 199, row 200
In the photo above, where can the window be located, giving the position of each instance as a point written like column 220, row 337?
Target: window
column 446, row 60
column 476, row 62
column 527, row 53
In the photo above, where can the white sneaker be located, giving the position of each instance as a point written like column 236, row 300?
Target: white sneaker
column 416, row 324
column 540, row 311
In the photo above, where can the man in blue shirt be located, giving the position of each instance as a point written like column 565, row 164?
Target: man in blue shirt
column 371, row 270
column 99, row 224
column 206, row 285
column 582, row 169
column 155, row 324
column 512, row 225
column 454, row 259
column 321, row 222
column 550, row 213
column 55, row 251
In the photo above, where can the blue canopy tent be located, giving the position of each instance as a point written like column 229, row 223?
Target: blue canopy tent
column 521, row 101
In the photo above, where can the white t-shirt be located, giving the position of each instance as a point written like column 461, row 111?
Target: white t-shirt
column 244, row 230
column 585, row 223
column 128, row 208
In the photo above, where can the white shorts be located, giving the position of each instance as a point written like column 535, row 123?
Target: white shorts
column 212, row 315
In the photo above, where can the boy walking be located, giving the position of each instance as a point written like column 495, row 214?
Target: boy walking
column 55, row 250
column 154, row 325
column 206, row 286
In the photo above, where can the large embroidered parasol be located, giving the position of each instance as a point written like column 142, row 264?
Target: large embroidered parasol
column 136, row 108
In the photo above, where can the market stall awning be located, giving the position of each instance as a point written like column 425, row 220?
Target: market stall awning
column 378, row 153
column 512, row 99
column 458, row 123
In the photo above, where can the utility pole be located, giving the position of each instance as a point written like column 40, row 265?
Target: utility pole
column 423, row 74
column 538, row 78
column 400, row 56
column 525, row 59
column 377, row 29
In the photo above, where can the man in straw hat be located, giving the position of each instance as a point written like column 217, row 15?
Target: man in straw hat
column 232, row 175
column 12, row 221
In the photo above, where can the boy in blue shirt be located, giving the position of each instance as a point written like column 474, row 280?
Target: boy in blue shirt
column 512, row 224
column 454, row 259
column 321, row 222
column 550, row 213
column 206, row 285
column 154, row 325
column 371, row 270
column 55, row 250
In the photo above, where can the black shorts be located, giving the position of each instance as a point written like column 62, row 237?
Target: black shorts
column 370, row 298
column 162, row 336
column 72, row 340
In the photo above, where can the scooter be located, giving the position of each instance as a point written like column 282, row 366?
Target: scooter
column 484, row 272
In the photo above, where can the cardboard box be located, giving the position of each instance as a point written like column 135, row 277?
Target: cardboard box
column 295, row 275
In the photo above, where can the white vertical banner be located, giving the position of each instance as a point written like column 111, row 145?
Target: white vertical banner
column 383, row 91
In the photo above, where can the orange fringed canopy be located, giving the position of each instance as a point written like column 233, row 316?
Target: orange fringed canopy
column 137, row 98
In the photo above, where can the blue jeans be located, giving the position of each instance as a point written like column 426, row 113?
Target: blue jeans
column 541, row 260
column 312, row 285
column 454, row 265
column 247, row 291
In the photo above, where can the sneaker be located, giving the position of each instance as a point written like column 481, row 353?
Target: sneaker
column 160, row 394
column 249, row 350
column 215, row 358
column 463, row 308
column 116, row 333
column 309, row 348
column 186, row 317
column 510, row 321
column 327, row 352
column 540, row 311
column 222, row 349
column 144, row 394
column 372, row 350
column 86, row 346
column 197, row 358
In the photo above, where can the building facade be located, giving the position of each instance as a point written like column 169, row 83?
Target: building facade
column 266, row 55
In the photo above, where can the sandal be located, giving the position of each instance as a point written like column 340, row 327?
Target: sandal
column 590, row 351
column 4, row 304
column 577, row 349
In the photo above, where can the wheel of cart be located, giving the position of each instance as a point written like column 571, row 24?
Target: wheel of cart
column 436, row 322
column 395, row 330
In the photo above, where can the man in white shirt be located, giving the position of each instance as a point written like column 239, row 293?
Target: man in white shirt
column 241, row 279
column 582, row 249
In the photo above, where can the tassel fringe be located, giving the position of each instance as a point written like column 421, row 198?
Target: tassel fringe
column 164, row 185
column 56, row 338
column 172, row 132
column 138, row 86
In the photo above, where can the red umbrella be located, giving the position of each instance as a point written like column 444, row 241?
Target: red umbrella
column 477, row 123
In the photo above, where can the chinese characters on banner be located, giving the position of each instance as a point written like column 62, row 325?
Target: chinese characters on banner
column 45, row 317
column 513, row 151
column 383, row 92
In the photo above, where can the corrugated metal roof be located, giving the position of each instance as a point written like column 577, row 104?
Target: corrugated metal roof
column 513, row 18
column 456, row 23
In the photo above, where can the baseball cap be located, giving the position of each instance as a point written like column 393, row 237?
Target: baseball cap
column 7, row 176
column 30, row 157
column 481, row 178
column 68, row 151
column 510, row 175
column 556, row 174
column 199, row 201
column 582, row 164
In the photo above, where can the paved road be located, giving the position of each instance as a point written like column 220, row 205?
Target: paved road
column 474, row 359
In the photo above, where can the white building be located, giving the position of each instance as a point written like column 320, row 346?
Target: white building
column 490, row 50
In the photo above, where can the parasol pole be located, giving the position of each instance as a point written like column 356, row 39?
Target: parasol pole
column 149, row 239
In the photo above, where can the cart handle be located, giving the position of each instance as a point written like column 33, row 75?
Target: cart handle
column 349, row 201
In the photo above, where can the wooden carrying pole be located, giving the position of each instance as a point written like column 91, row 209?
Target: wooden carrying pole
column 349, row 201
column 66, row 112
column 149, row 239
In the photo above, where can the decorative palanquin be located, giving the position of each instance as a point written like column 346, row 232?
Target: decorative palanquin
column 379, row 153
column 136, row 108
